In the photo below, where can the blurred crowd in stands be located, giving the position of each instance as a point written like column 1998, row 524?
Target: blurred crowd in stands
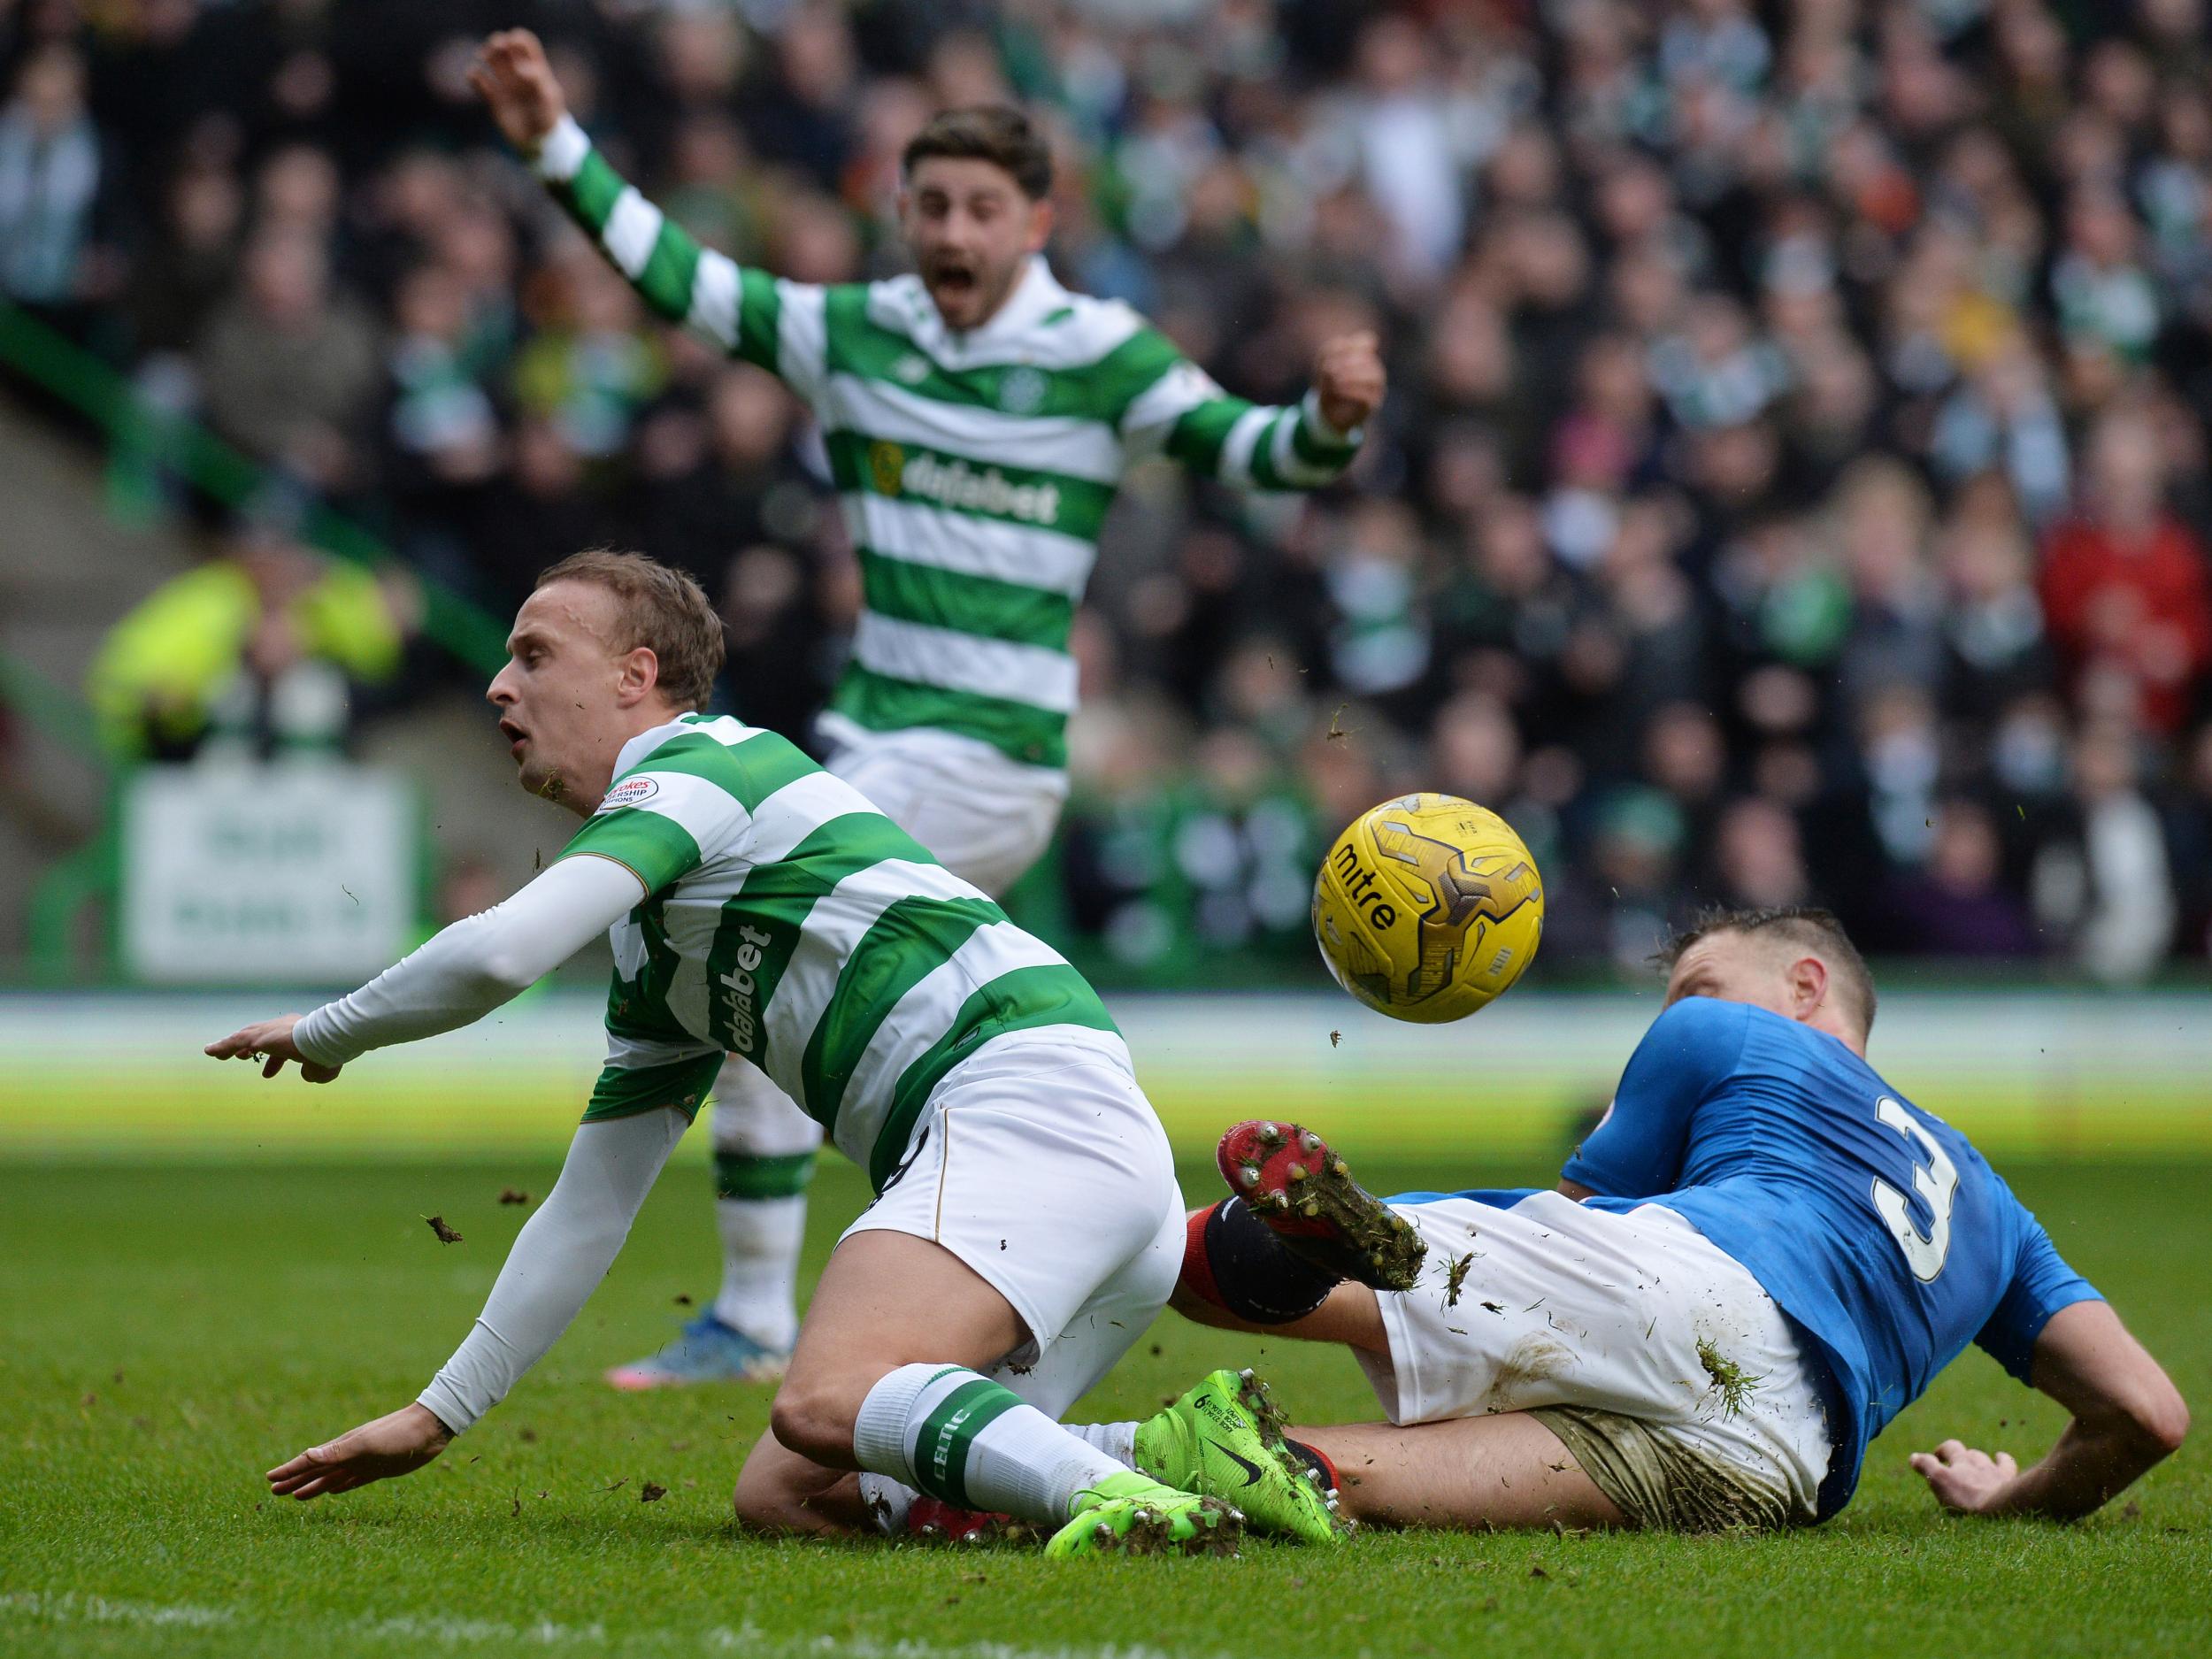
column 1794, row 484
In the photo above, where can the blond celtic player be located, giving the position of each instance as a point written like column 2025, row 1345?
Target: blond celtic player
column 758, row 905
column 979, row 418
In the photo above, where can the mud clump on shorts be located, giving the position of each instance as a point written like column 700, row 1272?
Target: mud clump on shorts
column 1733, row 1383
column 1534, row 1359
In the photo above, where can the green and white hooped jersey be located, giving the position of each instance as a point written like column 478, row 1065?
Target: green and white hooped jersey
column 975, row 469
column 788, row 921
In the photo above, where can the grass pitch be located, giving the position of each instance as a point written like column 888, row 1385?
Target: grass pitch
column 169, row 1332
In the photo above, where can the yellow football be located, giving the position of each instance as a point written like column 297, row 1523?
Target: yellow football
column 1428, row 907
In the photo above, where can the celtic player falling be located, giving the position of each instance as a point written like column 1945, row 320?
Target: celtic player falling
column 979, row 418
column 758, row 905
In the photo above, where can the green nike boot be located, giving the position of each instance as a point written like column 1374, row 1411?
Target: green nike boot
column 1134, row 1515
column 1225, row 1439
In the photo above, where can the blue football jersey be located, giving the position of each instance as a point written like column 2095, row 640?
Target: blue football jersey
column 1874, row 1226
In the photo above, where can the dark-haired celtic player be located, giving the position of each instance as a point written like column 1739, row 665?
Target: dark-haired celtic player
column 1762, row 1255
column 978, row 418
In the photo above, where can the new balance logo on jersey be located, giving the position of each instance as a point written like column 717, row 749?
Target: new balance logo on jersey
column 956, row 484
column 741, row 991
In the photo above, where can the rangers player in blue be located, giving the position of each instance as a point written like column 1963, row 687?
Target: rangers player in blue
column 1762, row 1255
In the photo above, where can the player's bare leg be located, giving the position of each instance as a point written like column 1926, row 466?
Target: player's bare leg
column 884, row 1377
column 886, row 1300
column 1350, row 1315
column 779, row 1491
column 1505, row 1471
column 1300, row 1219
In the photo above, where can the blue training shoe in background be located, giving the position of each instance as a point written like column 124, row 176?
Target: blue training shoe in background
column 707, row 1350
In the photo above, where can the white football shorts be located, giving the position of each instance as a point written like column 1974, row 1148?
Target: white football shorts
column 1669, row 1371
column 983, row 817
column 1039, row 1163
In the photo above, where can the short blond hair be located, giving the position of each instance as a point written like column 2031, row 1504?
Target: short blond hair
column 661, row 609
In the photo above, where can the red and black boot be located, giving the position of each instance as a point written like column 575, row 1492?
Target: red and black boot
column 1305, row 1194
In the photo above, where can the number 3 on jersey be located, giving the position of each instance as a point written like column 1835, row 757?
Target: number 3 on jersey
column 1936, row 1182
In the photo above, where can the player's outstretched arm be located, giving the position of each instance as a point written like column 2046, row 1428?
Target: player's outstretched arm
column 558, row 1258
column 775, row 324
column 1174, row 407
column 2127, row 1417
column 457, row 978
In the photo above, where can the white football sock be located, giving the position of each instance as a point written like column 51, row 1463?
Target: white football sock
column 760, row 1266
column 1117, row 1440
column 960, row 1437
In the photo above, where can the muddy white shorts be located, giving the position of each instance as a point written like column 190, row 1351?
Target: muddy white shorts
column 1666, row 1369
column 985, row 818
column 1039, row 1163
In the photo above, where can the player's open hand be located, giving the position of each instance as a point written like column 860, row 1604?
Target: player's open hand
column 1348, row 374
column 1966, row 1482
column 398, row 1444
column 511, row 75
column 270, row 1041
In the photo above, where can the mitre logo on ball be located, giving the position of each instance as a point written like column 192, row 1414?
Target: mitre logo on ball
column 1428, row 907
